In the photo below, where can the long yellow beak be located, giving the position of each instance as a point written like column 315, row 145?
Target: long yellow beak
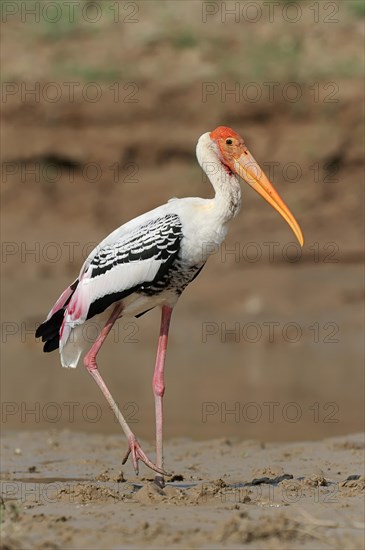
column 249, row 170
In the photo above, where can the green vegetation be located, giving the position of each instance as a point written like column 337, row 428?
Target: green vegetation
column 90, row 74
column 184, row 39
column 356, row 7
column 164, row 32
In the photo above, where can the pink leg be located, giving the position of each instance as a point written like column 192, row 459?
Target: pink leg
column 92, row 367
column 159, row 386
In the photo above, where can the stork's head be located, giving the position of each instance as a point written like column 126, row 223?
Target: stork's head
column 234, row 155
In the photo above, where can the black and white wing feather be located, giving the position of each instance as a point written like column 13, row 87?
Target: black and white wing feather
column 137, row 260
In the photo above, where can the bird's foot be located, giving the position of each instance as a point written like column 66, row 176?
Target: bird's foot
column 135, row 450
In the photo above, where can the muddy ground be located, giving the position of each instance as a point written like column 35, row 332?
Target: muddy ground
column 266, row 345
column 67, row 490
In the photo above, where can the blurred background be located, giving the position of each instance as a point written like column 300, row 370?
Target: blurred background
column 102, row 106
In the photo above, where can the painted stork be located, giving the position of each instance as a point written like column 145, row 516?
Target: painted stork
column 148, row 262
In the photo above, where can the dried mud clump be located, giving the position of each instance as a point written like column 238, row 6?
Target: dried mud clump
column 353, row 485
column 242, row 530
column 86, row 493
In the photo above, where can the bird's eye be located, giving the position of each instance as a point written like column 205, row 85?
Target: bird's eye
column 229, row 141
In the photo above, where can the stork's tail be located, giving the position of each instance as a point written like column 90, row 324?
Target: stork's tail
column 49, row 331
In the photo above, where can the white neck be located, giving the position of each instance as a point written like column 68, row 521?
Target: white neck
column 227, row 200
